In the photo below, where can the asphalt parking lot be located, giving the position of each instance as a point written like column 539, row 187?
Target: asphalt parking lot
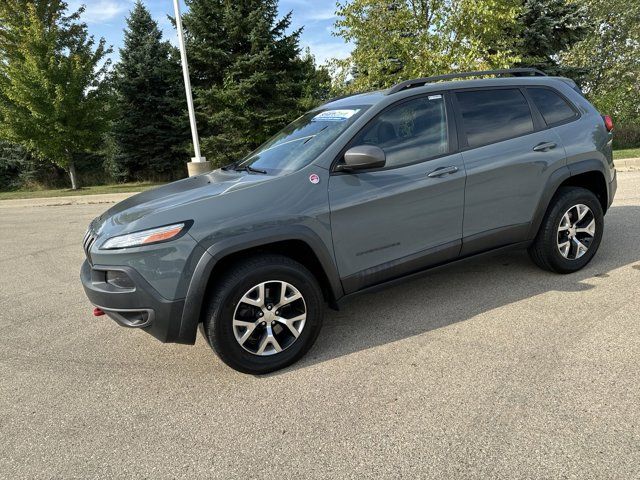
column 488, row 369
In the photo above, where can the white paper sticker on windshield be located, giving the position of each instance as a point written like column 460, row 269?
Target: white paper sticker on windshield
column 335, row 115
column 435, row 97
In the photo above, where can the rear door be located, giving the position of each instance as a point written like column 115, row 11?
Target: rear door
column 508, row 153
column 408, row 215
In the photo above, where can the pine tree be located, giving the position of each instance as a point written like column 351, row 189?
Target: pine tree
column 249, row 78
column 51, row 82
column 208, row 45
column 14, row 162
column 150, row 130
column 546, row 29
column 317, row 82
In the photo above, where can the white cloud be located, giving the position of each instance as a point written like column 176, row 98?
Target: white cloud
column 325, row 51
column 320, row 15
column 305, row 10
column 100, row 11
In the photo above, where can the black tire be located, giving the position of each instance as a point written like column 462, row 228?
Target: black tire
column 225, row 295
column 545, row 251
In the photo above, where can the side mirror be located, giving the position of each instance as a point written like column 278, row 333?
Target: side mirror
column 363, row 157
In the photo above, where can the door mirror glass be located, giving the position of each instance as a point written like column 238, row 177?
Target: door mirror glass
column 363, row 157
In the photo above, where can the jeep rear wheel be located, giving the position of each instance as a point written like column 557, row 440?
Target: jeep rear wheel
column 570, row 233
column 264, row 314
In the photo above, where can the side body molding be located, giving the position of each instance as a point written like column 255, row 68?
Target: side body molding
column 198, row 285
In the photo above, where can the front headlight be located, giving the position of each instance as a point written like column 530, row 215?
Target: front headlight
column 145, row 237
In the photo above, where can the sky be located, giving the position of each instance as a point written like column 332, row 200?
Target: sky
column 106, row 18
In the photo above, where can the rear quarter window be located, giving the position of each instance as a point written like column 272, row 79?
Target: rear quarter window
column 490, row 116
column 552, row 106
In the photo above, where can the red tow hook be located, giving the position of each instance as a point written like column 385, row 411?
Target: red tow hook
column 97, row 312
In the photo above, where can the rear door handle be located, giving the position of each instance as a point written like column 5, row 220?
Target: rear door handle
column 439, row 172
column 543, row 147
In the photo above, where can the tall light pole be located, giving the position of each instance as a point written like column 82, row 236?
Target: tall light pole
column 198, row 164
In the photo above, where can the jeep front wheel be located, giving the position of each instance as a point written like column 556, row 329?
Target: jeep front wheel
column 264, row 314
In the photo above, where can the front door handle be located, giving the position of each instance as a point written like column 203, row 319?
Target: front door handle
column 544, row 147
column 441, row 171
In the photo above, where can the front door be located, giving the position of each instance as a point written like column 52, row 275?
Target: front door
column 392, row 221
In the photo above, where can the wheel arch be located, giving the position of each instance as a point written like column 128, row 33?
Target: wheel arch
column 301, row 244
column 587, row 174
column 592, row 179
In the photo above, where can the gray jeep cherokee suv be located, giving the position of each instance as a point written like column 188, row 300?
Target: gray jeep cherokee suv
column 357, row 193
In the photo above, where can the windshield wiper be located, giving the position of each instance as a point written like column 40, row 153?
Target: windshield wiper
column 249, row 168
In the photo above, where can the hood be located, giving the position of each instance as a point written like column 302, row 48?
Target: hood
column 174, row 195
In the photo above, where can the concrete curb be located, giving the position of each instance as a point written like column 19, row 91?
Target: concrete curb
column 627, row 164
column 68, row 200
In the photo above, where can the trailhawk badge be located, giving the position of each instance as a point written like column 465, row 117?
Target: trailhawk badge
column 313, row 178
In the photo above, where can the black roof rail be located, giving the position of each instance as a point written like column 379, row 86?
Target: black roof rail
column 418, row 82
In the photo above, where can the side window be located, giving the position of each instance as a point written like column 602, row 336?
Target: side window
column 493, row 115
column 553, row 107
column 410, row 132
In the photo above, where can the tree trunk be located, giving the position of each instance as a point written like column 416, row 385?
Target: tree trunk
column 73, row 176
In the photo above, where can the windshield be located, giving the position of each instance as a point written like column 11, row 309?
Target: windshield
column 301, row 141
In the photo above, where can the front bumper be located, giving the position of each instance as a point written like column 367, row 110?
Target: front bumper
column 139, row 307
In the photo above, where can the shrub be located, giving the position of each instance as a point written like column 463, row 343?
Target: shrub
column 626, row 136
column 19, row 169
column 15, row 166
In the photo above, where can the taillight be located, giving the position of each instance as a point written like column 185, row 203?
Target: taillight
column 608, row 123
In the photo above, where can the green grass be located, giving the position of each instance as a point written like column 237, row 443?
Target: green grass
column 628, row 153
column 63, row 192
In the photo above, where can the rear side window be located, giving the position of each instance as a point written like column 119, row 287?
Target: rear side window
column 490, row 116
column 553, row 107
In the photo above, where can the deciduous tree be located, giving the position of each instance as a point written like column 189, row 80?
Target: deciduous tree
column 610, row 55
column 400, row 39
column 51, row 89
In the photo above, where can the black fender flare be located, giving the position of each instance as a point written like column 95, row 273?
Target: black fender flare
column 584, row 166
column 198, row 285
column 553, row 183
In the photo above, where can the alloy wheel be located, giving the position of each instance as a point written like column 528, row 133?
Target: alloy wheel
column 576, row 231
column 269, row 317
